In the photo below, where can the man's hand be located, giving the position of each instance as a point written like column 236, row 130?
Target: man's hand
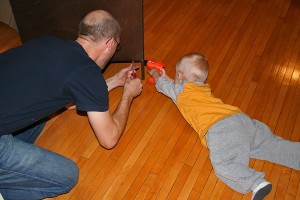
column 132, row 88
column 120, row 77
column 70, row 106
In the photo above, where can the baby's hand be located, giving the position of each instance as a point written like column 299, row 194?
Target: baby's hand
column 154, row 72
column 163, row 73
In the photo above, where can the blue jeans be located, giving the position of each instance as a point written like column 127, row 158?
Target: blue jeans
column 30, row 172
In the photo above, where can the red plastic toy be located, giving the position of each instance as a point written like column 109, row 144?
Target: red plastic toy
column 154, row 64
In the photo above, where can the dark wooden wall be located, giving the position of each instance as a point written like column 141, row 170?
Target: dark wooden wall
column 61, row 18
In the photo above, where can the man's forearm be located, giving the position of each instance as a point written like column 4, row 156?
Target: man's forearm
column 110, row 83
column 120, row 115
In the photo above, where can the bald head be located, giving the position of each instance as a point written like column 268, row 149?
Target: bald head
column 98, row 25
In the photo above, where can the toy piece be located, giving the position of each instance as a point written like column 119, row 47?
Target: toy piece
column 150, row 64
column 133, row 73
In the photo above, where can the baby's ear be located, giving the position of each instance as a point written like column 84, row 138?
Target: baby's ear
column 183, row 77
column 180, row 76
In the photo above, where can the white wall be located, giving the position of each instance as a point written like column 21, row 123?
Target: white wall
column 6, row 14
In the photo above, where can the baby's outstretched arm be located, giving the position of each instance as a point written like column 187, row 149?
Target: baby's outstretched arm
column 163, row 74
column 166, row 85
column 155, row 73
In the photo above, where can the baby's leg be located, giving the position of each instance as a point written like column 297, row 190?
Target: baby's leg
column 267, row 146
column 229, row 145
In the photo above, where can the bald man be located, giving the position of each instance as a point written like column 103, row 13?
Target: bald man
column 43, row 76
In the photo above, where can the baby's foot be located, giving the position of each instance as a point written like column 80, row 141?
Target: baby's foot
column 261, row 191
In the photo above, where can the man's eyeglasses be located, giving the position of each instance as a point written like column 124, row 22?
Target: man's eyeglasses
column 118, row 48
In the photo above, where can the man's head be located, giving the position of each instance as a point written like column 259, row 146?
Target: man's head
column 192, row 67
column 99, row 25
column 99, row 34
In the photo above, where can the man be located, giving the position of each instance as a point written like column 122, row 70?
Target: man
column 43, row 76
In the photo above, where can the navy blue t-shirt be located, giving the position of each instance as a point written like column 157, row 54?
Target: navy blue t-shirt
column 42, row 76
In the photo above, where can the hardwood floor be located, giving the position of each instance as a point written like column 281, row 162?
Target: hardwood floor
column 253, row 49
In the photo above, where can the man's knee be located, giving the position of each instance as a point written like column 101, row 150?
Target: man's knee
column 71, row 177
column 65, row 177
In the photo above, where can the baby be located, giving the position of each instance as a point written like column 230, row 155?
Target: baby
column 231, row 136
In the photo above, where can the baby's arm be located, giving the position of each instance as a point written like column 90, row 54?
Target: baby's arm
column 163, row 74
column 154, row 73
column 166, row 85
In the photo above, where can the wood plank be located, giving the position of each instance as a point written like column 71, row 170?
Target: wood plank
column 253, row 49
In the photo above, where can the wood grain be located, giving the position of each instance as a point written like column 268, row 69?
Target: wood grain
column 253, row 49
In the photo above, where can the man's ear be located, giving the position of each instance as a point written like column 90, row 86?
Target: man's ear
column 109, row 44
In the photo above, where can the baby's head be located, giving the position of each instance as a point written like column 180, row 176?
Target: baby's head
column 192, row 67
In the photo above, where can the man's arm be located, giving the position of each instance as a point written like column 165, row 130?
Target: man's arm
column 119, row 78
column 109, row 127
column 115, row 81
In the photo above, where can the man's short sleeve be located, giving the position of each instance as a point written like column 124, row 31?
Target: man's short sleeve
column 88, row 89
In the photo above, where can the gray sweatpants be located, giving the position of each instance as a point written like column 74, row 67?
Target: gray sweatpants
column 237, row 138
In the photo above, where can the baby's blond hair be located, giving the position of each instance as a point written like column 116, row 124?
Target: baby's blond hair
column 194, row 67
